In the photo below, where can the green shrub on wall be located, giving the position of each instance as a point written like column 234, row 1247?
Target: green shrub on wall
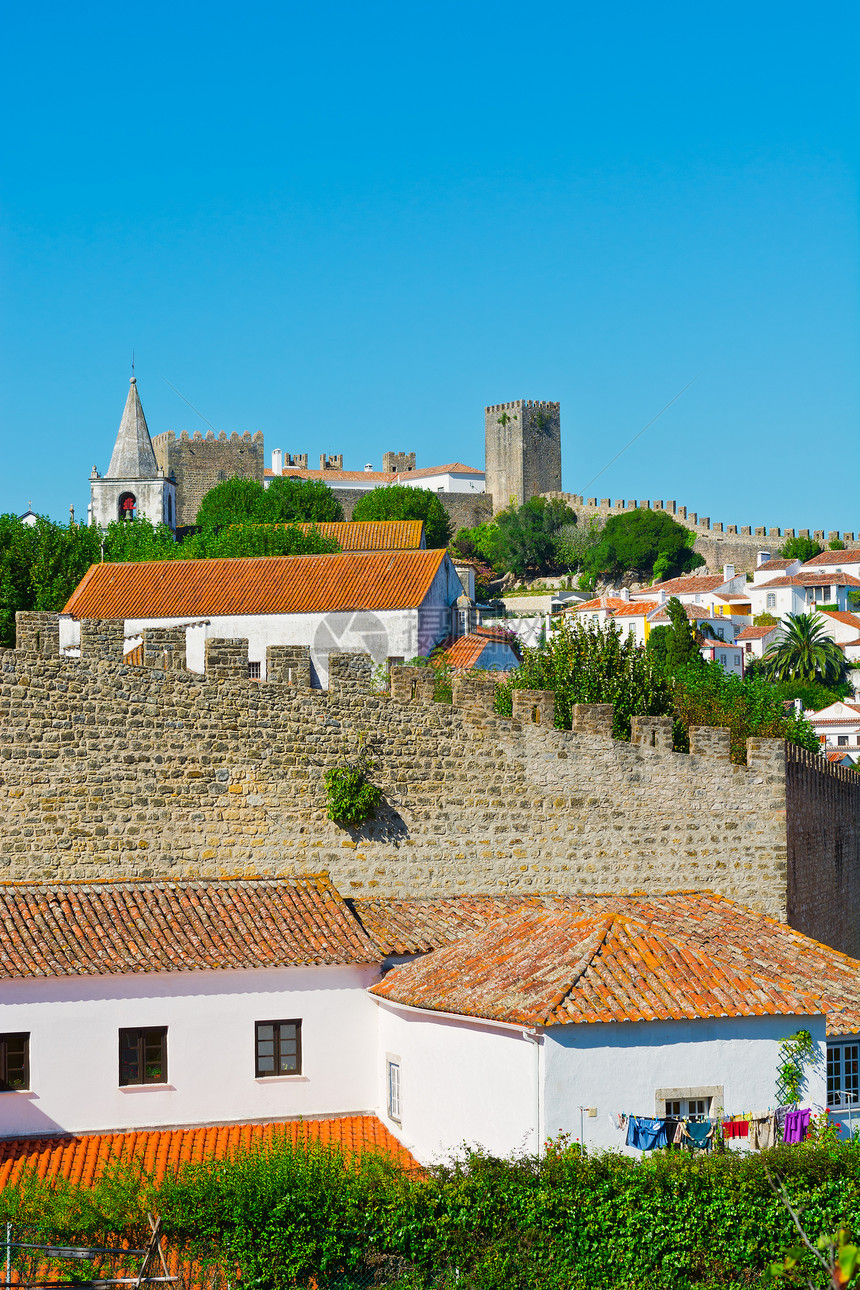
column 351, row 798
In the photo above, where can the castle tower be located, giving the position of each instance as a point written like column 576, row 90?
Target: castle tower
column 135, row 484
column 522, row 450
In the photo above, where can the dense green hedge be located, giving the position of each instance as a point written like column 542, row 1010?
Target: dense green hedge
column 286, row 1215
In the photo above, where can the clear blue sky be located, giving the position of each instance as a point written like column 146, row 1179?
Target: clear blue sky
column 352, row 226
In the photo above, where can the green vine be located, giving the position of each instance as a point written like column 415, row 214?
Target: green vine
column 351, row 797
column 795, row 1054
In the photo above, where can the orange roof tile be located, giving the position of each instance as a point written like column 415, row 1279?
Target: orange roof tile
column 802, row 579
column 635, row 610
column 290, row 584
column 367, row 535
column 702, row 919
column 834, row 558
column 692, row 611
column 777, row 562
column 602, row 602
column 558, row 967
column 82, row 1158
column 756, row 633
column 848, row 620
column 837, row 757
column 380, row 476
column 100, row 928
column 691, row 582
column 465, row 651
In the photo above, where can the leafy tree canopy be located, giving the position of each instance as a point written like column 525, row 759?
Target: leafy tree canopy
column 528, row 535
column 676, row 646
column 649, row 543
column 484, row 542
column 302, row 500
column 400, row 502
column 813, row 696
column 765, row 620
column 805, row 653
column 245, row 501
column 800, row 548
column 573, row 542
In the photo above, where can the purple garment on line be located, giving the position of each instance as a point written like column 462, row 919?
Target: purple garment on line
column 796, row 1124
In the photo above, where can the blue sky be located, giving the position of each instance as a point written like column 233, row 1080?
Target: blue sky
column 351, row 227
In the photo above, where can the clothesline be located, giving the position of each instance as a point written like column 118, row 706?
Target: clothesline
column 762, row 1129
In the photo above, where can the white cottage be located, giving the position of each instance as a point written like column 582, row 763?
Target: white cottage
column 389, row 604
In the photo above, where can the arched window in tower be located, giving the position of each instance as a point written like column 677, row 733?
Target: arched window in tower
column 127, row 506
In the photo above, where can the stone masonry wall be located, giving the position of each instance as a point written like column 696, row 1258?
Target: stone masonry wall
column 112, row 770
column 465, row 509
column 823, row 851
column 199, row 463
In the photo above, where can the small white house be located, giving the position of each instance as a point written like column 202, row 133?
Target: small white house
column 756, row 641
column 838, row 728
column 847, row 561
column 503, row 1037
column 454, row 477
column 389, row 604
column 801, row 592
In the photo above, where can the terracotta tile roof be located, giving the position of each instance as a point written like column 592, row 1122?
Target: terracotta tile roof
column 756, row 633
column 776, row 563
column 834, row 558
column 557, row 967
column 465, row 651
column 813, row 720
column 380, row 476
column 636, row 609
column 371, row 535
column 290, row 584
column 837, row 757
column 802, row 579
column 702, row 919
column 690, row 583
column 849, row 620
column 101, row 928
column 602, row 602
column 82, row 1158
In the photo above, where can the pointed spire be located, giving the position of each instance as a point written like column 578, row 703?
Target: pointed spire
column 133, row 456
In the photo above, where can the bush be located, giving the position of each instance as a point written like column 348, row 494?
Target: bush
column 648, row 543
column 351, row 799
column 528, row 535
column 400, row 502
column 800, row 548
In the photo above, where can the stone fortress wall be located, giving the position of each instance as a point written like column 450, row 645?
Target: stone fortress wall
column 199, row 462
column 113, row 770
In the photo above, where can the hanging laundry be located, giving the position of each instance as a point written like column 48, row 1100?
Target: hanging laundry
column 796, row 1125
column 678, row 1137
column 646, row 1134
column 736, row 1128
column 699, row 1133
column 781, row 1112
column 671, row 1128
column 763, row 1131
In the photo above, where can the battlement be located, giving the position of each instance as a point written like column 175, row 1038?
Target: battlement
column 299, row 460
column 331, row 463
column 701, row 524
column 109, row 768
column 199, row 461
column 398, row 463
column 522, row 403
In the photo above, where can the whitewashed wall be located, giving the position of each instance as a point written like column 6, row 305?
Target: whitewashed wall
column 74, row 1044
column 618, row 1067
column 461, row 1082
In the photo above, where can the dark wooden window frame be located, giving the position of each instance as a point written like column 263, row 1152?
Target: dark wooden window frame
column 141, row 1032
column 277, row 1072
column 5, row 1086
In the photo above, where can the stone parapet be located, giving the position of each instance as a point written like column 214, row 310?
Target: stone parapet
column 37, row 632
column 593, row 718
column 412, row 684
column 103, row 638
column 226, row 658
column 289, row 665
column 651, row 732
column 164, row 647
column 534, row 707
column 711, row 741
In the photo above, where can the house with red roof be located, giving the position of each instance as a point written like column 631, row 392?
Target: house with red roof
column 838, row 728
column 173, row 1019
column 392, row 604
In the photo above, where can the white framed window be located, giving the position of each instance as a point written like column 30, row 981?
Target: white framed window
column 393, row 1078
column 843, row 1074
column 688, row 1103
column 688, row 1108
column 771, row 600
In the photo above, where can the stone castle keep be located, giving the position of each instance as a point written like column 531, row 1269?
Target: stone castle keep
column 113, row 770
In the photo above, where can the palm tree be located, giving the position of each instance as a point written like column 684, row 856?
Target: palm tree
column 805, row 653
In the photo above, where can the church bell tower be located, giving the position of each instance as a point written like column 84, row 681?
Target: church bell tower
column 135, row 485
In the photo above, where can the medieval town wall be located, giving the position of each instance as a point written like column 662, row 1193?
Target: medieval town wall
column 111, row 770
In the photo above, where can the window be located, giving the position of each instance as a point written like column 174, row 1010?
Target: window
column 394, row 1088
column 721, row 633
column 143, row 1056
column 842, row 741
column 253, row 671
column 693, row 1108
column 843, row 1074
column 14, row 1062
column 279, row 1048
column 771, row 600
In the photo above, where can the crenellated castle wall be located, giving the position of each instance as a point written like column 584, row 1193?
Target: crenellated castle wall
column 199, row 462
column 111, row 770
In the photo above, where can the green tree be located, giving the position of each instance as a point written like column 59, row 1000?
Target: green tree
column 806, row 653
column 400, row 502
column 528, row 535
column 254, row 539
column 40, row 566
column 749, row 708
column 835, row 545
column 484, row 542
column 233, row 501
column 587, row 663
column 812, row 695
column 573, row 542
column 676, row 646
column 648, row 543
column 302, row 500
column 800, row 548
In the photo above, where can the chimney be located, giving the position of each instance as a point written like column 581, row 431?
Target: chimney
column 761, row 557
column 276, row 461
column 728, row 572
column 368, row 468
column 663, row 596
column 625, row 593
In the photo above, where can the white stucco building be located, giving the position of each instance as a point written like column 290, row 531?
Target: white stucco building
column 392, row 605
column 453, row 477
